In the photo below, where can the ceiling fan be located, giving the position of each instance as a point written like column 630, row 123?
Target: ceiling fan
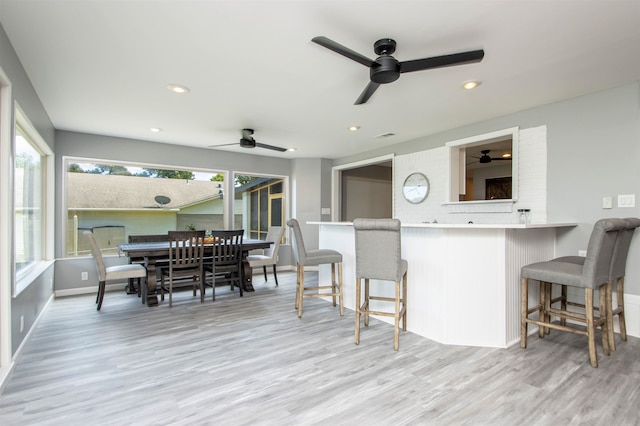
column 247, row 141
column 387, row 69
column 485, row 158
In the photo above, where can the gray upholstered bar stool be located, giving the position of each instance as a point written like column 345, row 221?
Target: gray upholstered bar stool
column 315, row 258
column 594, row 274
column 617, row 272
column 378, row 257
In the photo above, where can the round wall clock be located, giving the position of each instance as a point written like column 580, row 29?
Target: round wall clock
column 415, row 188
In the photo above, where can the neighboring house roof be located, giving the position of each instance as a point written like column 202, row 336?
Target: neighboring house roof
column 95, row 191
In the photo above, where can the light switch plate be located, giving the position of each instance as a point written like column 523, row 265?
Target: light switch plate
column 627, row 200
column 607, row 202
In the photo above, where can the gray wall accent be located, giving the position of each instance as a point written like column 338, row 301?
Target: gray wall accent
column 593, row 151
column 32, row 300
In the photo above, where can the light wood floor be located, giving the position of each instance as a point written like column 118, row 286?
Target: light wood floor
column 251, row 361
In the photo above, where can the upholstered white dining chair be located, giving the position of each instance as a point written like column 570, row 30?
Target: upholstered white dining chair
column 108, row 273
column 268, row 257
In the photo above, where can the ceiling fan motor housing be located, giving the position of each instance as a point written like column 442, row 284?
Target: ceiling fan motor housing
column 386, row 70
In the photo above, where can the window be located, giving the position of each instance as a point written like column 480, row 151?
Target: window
column 116, row 200
column 28, row 202
column 32, row 188
column 484, row 167
column 261, row 201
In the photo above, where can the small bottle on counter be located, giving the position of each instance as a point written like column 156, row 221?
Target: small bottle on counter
column 524, row 216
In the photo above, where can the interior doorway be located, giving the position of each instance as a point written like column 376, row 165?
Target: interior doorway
column 363, row 189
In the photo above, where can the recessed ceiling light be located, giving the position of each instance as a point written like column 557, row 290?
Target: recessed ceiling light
column 354, row 128
column 155, row 129
column 292, row 149
column 178, row 88
column 468, row 85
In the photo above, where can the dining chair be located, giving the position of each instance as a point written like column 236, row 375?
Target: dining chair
column 225, row 265
column 378, row 257
column 269, row 257
column 141, row 260
column 590, row 276
column 185, row 265
column 617, row 272
column 108, row 273
column 315, row 257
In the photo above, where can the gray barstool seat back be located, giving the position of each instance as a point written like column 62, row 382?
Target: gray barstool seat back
column 592, row 275
column 378, row 257
column 316, row 257
column 617, row 272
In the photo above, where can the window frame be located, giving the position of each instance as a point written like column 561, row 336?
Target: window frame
column 22, row 279
column 67, row 160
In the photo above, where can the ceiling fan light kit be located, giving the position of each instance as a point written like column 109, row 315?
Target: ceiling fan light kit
column 387, row 69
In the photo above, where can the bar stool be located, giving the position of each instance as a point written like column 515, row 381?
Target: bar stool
column 378, row 257
column 592, row 275
column 617, row 272
column 315, row 258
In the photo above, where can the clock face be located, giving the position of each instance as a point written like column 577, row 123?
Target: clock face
column 415, row 188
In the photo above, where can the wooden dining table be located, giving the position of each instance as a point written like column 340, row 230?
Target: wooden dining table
column 154, row 251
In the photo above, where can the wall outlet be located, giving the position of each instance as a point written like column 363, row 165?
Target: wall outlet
column 582, row 253
column 628, row 200
column 85, row 276
column 607, row 202
column 326, row 210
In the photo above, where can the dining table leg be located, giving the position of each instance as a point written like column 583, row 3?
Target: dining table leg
column 152, row 297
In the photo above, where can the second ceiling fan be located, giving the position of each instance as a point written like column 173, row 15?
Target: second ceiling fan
column 247, row 141
column 387, row 69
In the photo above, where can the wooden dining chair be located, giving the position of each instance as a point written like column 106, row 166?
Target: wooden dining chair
column 108, row 273
column 225, row 265
column 185, row 266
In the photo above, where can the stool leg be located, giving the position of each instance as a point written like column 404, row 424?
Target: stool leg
column 297, row 285
column 620, row 308
column 396, row 322
column 542, row 314
column 301, row 294
column 340, row 293
column 366, row 302
column 333, row 282
column 563, row 304
column 609, row 316
column 605, row 317
column 404, row 302
column 357, row 336
column 524, row 306
column 591, row 334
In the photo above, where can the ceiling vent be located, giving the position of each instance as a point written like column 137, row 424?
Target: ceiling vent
column 385, row 135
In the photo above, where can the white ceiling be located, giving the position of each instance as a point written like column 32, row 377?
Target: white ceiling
column 103, row 66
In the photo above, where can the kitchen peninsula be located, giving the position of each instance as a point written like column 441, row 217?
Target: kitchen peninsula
column 463, row 279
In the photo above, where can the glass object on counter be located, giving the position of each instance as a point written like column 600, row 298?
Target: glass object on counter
column 524, row 216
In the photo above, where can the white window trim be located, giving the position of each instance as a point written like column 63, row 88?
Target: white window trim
column 23, row 280
column 455, row 169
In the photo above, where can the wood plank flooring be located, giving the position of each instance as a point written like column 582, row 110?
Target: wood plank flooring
column 251, row 361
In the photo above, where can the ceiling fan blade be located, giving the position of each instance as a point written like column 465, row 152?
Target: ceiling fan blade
column 367, row 92
column 275, row 148
column 342, row 50
column 442, row 61
column 225, row 144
